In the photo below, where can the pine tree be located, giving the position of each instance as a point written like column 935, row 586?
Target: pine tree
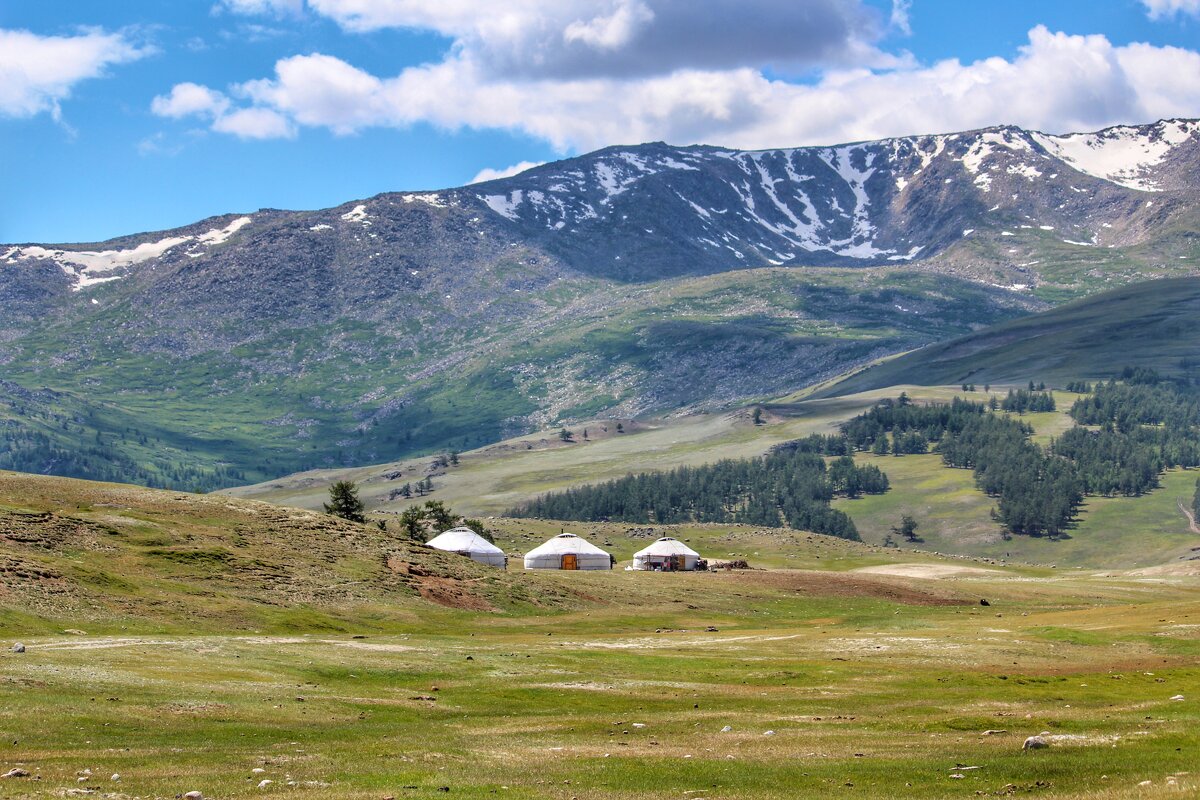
column 344, row 502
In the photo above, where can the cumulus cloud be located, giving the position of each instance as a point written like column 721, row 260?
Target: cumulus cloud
column 1057, row 82
column 596, row 38
column 490, row 174
column 38, row 72
column 255, row 123
column 192, row 100
column 187, row 99
column 1159, row 9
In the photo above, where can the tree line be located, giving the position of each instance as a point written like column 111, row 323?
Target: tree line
column 791, row 486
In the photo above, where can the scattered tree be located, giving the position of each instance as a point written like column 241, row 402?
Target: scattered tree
column 758, row 416
column 907, row 528
column 566, row 435
column 344, row 502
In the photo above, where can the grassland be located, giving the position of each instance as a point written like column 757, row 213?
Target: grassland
column 855, row 671
column 1152, row 324
column 953, row 514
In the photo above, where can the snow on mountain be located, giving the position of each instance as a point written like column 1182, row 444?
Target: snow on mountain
column 86, row 268
column 653, row 210
column 1124, row 155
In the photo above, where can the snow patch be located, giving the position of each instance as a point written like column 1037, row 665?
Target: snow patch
column 321, row 227
column 357, row 214
column 502, row 205
column 430, row 199
column 1123, row 155
column 220, row 235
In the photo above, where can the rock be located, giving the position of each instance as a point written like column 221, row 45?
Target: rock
column 16, row 772
column 116, row 776
column 1035, row 743
column 768, row 733
column 993, row 732
column 727, row 729
column 193, row 796
column 257, row 771
column 265, row 783
column 18, row 648
column 984, row 602
column 1177, row 697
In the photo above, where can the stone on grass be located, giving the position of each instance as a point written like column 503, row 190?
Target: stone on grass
column 993, row 732
column 1177, row 697
column 116, row 776
column 265, row 783
column 18, row 648
column 1035, row 743
column 16, row 772
column 193, row 796
column 727, row 729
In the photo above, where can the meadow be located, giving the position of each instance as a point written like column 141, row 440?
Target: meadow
column 163, row 645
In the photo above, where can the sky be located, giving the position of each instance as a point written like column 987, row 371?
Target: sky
column 142, row 115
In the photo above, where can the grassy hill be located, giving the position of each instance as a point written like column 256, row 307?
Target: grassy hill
column 1154, row 324
column 208, row 644
column 953, row 514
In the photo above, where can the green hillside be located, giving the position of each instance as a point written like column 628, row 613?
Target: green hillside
column 175, row 643
column 1154, row 324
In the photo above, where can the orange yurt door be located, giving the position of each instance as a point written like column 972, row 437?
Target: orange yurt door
column 570, row 561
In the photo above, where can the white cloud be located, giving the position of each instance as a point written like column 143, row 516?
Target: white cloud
column 38, row 72
column 1057, row 82
column 1158, row 9
column 187, row 99
column 596, row 38
column 490, row 174
column 255, row 123
column 193, row 100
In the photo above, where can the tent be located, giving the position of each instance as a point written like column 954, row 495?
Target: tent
column 467, row 542
column 567, row 551
column 666, row 554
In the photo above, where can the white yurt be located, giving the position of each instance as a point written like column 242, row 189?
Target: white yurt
column 467, row 542
column 666, row 554
column 567, row 551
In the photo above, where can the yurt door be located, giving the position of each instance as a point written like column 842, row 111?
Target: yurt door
column 680, row 562
column 570, row 561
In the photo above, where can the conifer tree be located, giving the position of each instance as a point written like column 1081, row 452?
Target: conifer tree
column 344, row 502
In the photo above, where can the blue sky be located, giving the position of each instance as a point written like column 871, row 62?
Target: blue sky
column 121, row 117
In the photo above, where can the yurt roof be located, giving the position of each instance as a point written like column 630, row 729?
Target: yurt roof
column 463, row 540
column 667, row 546
column 566, row 543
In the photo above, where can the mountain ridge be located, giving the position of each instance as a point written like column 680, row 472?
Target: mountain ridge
column 246, row 346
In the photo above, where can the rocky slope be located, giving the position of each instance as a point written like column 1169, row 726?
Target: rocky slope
column 633, row 280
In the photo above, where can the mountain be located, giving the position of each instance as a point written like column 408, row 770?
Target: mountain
column 632, row 281
column 1155, row 324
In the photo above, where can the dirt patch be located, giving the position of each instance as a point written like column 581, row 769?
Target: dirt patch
column 927, row 571
column 833, row 584
column 450, row 593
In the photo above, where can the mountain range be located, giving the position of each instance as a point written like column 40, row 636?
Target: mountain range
column 635, row 280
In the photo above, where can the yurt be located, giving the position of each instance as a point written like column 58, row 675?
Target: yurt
column 567, row 551
column 666, row 555
column 467, row 542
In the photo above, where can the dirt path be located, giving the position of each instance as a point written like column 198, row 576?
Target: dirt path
column 1191, row 518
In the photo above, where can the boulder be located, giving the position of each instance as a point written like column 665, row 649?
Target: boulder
column 18, row 648
column 1035, row 743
